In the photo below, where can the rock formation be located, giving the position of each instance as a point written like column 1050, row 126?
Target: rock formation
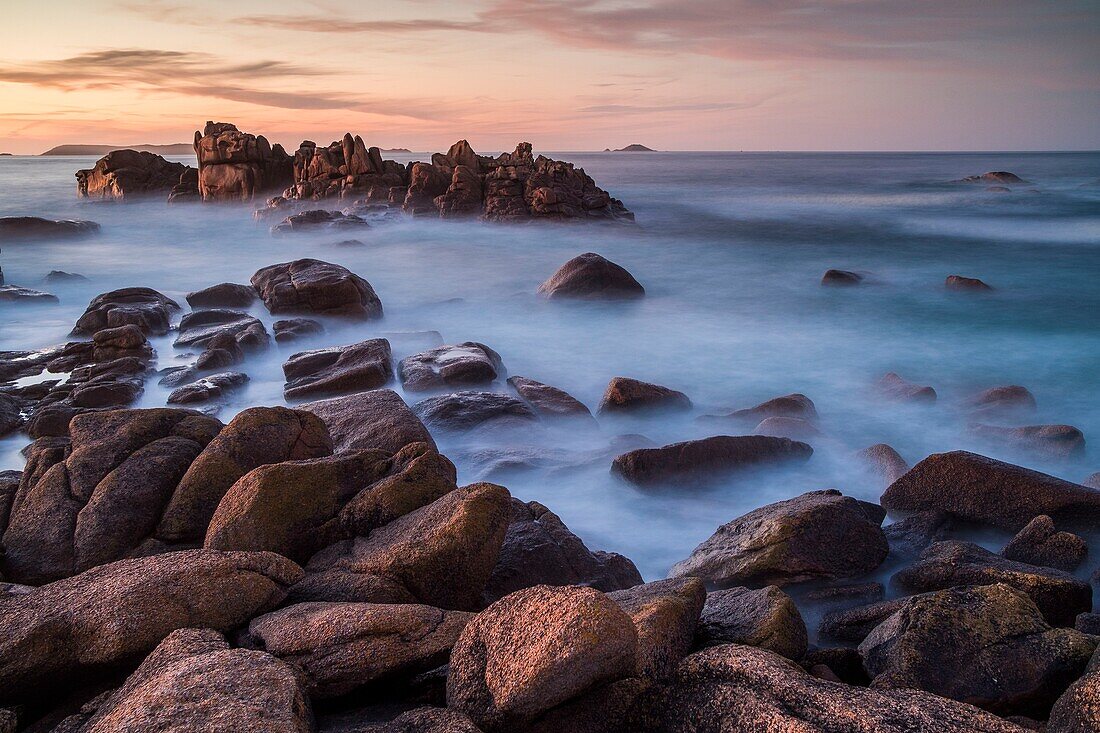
column 127, row 174
column 238, row 166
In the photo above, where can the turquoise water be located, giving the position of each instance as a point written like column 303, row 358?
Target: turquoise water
column 731, row 249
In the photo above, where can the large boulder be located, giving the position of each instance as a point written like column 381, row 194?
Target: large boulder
column 739, row 688
column 764, row 617
column 980, row 489
column 256, row 437
column 22, row 228
column 375, row 419
column 223, row 295
column 468, row 364
column 201, row 328
column 1039, row 543
column 547, row 401
column 467, row 410
column 344, row 646
column 74, row 630
column 237, row 166
column 105, row 499
column 536, row 649
column 313, row 286
column 1052, row 441
column 818, row 535
column 143, row 307
column 352, row 368
column 441, row 554
column 1059, row 595
column 539, row 549
column 665, row 614
column 705, row 460
column 1078, row 709
column 194, row 681
column 591, row 277
column 987, row 645
column 626, row 395
column 128, row 174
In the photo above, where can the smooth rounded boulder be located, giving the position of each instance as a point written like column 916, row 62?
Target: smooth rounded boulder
column 626, row 395
column 547, row 401
column 313, row 286
column 705, row 460
column 374, row 419
column 591, row 277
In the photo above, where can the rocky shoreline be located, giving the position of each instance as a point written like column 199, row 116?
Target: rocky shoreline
column 318, row 567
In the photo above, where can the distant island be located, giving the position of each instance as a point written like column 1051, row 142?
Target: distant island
column 2, row 154
column 396, row 150
column 635, row 148
column 173, row 149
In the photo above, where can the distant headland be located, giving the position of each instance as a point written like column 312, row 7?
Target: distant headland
column 635, row 148
column 172, row 149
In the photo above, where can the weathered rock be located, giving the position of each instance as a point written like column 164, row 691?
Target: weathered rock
column 293, row 329
column 107, row 496
column 10, row 413
column 120, row 342
column 547, row 401
column 344, row 646
column 893, row 387
column 74, row 630
column 1039, row 543
column 24, row 228
column 143, row 307
column 194, row 681
column 467, row 410
column 909, row 537
column 1000, row 400
column 237, row 166
column 426, row 182
column 256, row 437
column 18, row 294
column 624, row 394
column 376, row 418
column 441, row 554
column 208, row 388
column 223, row 295
column 1056, row 441
column 665, row 614
column 314, row 286
column 841, row 278
column 970, row 284
column 463, row 197
column 539, row 549
column 1088, row 623
column 536, row 649
column 351, row 368
column 739, row 688
column 128, row 174
column 854, row 624
column 705, row 460
column 591, row 277
column 419, row 720
column 1058, row 595
column 9, row 484
column 1078, row 709
column 765, row 618
column 818, row 535
column 199, row 328
column 981, row 489
column 467, row 364
column 884, row 461
column 318, row 219
column 987, row 645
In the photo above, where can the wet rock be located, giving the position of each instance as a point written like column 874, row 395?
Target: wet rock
column 1039, row 543
column 1001, row 177
column 207, row 388
column 18, row 294
column 884, row 462
column 58, row 276
column 467, row 364
column 377, row 419
column 223, row 295
column 793, row 405
column 539, row 549
column 854, row 624
column 981, row 489
column 107, row 496
column 1000, row 400
column 73, row 630
column 624, row 394
column 1058, row 595
column 256, row 437
column 665, row 614
column 818, row 535
column 144, row 307
column 987, row 645
column 26, row 228
column 507, row 668
column 841, row 278
column 238, row 166
column 547, row 401
column 128, row 174
column 706, row 459
column 120, row 342
column 194, row 681
column 739, row 688
column 296, row 328
column 591, row 277
column 314, row 286
column 893, row 387
column 318, row 219
column 351, row 368
column 200, row 327
column 344, row 646
column 909, row 537
column 765, row 618
column 794, row 428
column 441, row 554
column 221, row 351
column 1056, row 441
column 967, row 284
column 467, row 410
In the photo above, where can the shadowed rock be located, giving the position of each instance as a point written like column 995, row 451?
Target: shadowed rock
column 310, row 285
column 319, row 219
column 591, row 277
column 665, row 614
column 884, row 461
column 706, row 459
column 463, row 411
column 1039, row 543
column 128, row 174
column 1002, row 177
column 143, row 307
column 765, row 618
column 293, row 329
column 841, row 278
column 966, row 284
column 1078, row 709
column 1056, row 441
column 208, row 388
column 18, row 294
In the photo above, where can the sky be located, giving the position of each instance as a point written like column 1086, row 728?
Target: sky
column 562, row 74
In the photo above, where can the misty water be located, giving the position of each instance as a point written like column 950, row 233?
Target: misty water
column 731, row 249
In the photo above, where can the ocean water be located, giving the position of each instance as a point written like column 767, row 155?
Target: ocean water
column 730, row 248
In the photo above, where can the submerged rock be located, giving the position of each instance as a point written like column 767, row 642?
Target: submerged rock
column 464, row 411
column 841, row 278
column 351, row 368
column 18, row 294
column 309, row 285
column 591, row 277
column 468, row 364
column 793, row 405
column 705, row 460
column 547, row 401
column 884, row 461
column 972, row 284
column 315, row 219
column 1006, row 399
column 1002, row 177
column 1057, row 441
column 293, row 329
column 893, row 387
column 624, row 395
column 23, row 228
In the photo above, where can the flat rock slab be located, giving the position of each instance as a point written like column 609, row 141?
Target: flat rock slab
column 707, row 459
column 223, row 295
column 17, row 294
column 352, row 368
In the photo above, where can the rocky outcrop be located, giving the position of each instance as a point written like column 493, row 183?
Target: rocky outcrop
column 344, row 169
column 591, row 277
column 766, row 618
column 223, row 295
column 338, row 369
column 705, row 460
column 971, row 284
column 818, row 535
column 237, row 166
column 375, row 419
column 314, row 286
column 143, row 307
column 1039, row 543
column 129, row 174
column 468, row 364
column 624, row 395
column 30, row 228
